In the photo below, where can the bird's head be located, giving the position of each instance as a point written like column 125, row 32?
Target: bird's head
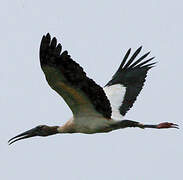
column 41, row 130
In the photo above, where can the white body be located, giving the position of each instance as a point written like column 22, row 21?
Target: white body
column 87, row 125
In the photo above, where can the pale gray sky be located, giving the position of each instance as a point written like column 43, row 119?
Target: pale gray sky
column 96, row 34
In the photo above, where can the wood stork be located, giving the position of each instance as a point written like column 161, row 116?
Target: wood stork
column 95, row 109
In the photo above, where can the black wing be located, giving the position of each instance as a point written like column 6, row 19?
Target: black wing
column 131, row 75
column 68, row 79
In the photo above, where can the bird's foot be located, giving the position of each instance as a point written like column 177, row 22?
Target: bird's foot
column 167, row 125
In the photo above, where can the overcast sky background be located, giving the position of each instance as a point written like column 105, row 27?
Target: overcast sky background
column 97, row 34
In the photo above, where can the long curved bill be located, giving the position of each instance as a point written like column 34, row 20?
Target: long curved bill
column 24, row 135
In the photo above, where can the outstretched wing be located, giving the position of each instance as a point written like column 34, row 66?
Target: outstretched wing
column 68, row 79
column 125, row 85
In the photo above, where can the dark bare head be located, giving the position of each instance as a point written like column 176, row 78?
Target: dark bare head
column 41, row 130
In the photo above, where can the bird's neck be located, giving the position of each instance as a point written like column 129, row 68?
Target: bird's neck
column 50, row 130
column 68, row 127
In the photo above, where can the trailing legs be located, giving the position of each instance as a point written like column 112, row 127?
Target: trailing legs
column 129, row 123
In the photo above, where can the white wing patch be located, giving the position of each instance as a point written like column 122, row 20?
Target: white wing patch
column 115, row 94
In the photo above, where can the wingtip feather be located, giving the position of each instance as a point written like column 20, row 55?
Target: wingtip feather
column 125, row 58
column 53, row 43
column 133, row 57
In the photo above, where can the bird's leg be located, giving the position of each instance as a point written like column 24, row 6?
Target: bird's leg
column 163, row 125
column 129, row 123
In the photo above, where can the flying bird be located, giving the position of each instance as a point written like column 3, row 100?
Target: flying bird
column 95, row 109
